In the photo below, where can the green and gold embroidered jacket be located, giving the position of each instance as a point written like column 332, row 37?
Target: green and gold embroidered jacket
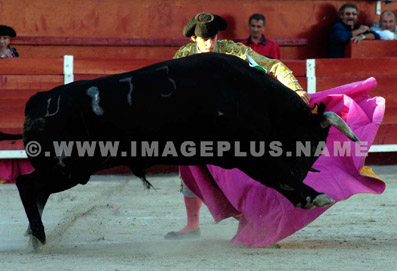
column 273, row 66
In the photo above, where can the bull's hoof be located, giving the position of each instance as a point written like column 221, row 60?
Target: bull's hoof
column 323, row 200
column 309, row 204
column 36, row 243
column 38, row 238
column 182, row 235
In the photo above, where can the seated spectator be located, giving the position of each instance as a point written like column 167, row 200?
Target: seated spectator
column 6, row 51
column 348, row 29
column 257, row 40
column 386, row 27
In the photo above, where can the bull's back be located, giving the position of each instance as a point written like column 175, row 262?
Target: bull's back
column 193, row 91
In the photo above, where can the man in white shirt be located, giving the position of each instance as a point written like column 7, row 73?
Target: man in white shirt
column 386, row 27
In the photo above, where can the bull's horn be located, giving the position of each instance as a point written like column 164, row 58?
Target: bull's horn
column 331, row 118
column 312, row 169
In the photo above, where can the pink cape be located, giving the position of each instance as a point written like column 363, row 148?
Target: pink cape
column 265, row 216
column 10, row 169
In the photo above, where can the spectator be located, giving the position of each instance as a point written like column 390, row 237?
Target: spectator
column 348, row 29
column 257, row 41
column 6, row 51
column 203, row 30
column 386, row 27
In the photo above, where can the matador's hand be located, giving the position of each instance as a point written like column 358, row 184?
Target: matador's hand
column 305, row 97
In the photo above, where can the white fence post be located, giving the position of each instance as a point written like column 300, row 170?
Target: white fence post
column 311, row 75
column 68, row 69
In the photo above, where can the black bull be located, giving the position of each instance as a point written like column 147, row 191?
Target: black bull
column 188, row 104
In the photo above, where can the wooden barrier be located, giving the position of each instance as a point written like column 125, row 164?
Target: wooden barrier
column 114, row 42
column 48, row 47
column 102, row 66
column 21, row 78
column 371, row 48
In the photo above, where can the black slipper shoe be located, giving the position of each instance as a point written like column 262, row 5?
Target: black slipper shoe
column 182, row 235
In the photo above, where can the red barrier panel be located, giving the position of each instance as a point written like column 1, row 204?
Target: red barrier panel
column 16, row 87
column 110, row 66
column 356, row 67
column 32, row 66
column 28, row 81
column 371, row 48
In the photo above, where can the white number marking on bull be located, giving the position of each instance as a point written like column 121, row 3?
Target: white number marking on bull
column 129, row 80
column 93, row 92
column 48, row 114
column 165, row 95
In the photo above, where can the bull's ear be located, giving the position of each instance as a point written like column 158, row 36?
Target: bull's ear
column 167, row 84
column 315, row 109
column 312, row 169
column 318, row 108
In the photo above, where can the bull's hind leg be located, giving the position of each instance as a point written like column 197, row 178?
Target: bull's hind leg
column 29, row 193
column 41, row 202
column 34, row 191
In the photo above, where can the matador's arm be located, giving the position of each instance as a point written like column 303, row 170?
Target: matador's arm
column 273, row 66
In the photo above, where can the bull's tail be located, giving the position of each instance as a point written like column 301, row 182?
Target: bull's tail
column 141, row 173
column 146, row 183
column 4, row 136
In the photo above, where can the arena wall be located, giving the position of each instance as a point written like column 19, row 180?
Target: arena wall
column 109, row 25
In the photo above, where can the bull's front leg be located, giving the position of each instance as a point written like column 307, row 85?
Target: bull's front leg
column 280, row 177
column 303, row 196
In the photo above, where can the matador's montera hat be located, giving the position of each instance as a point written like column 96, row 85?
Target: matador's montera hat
column 204, row 25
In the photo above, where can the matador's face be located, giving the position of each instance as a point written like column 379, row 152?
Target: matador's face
column 205, row 45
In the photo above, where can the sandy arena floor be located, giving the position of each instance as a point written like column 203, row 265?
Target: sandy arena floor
column 114, row 223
